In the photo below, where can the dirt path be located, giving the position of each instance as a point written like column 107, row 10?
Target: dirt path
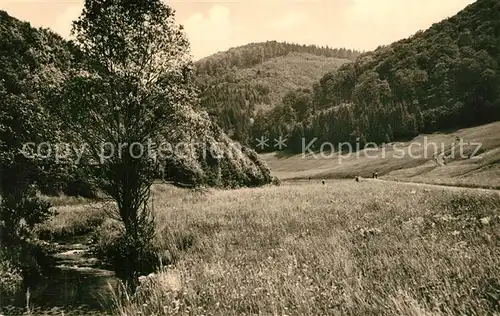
column 442, row 186
column 419, row 184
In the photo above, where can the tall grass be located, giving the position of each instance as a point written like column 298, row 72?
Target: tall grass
column 349, row 248
column 72, row 220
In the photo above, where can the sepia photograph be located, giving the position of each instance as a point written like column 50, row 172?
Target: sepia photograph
column 250, row 157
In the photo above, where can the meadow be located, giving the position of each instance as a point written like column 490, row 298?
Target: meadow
column 417, row 164
column 303, row 248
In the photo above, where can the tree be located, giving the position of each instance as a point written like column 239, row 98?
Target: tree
column 300, row 100
column 135, row 77
column 296, row 137
column 389, row 135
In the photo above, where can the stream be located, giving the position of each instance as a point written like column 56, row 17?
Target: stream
column 76, row 286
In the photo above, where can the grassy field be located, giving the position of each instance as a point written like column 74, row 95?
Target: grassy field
column 343, row 248
column 72, row 219
column 367, row 248
column 420, row 166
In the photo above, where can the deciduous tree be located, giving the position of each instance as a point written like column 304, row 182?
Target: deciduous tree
column 135, row 77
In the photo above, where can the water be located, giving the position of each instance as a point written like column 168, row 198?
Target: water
column 76, row 286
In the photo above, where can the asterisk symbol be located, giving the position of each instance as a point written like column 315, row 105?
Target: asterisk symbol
column 280, row 142
column 262, row 142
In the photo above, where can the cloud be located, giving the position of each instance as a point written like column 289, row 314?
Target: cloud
column 385, row 12
column 214, row 27
column 289, row 21
column 209, row 33
column 63, row 22
column 372, row 23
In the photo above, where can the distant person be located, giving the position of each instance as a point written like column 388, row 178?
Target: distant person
column 309, row 178
column 376, row 175
column 357, row 178
column 323, row 181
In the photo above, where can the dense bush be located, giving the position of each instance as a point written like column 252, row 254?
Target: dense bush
column 10, row 277
column 208, row 157
column 115, row 249
column 22, row 265
column 31, row 60
column 61, row 181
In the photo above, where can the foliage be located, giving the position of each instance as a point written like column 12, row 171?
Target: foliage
column 10, row 278
column 232, row 92
column 32, row 59
column 26, row 65
column 210, row 158
column 21, row 265
column 115, row 248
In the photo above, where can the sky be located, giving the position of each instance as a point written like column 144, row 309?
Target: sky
column 213, row 26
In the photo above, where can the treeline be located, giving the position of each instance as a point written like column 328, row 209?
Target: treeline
column 444, row 78
column 255, row 53
column 233, row 104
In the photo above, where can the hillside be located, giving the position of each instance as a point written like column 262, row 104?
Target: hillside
column 31, row 59
column 429, row 158
column 277, row 76
column 242, row 81
column 446, row 77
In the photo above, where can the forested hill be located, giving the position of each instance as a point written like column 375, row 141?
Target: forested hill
column 446, row 77
column 242, row 81
column 256, row 53
column 31, row 59
column 30, row 54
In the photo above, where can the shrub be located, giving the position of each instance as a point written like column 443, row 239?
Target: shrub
column 70, row 181
column 10, row 277
column 21, row 265
column 116, row 249
column 122, row 253
column 20, row 211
